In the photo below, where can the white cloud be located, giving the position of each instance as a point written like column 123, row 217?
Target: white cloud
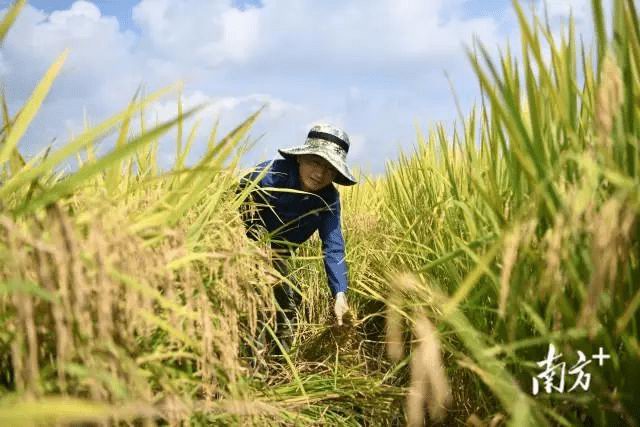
column 204, row 33
column 580, row 10
column 372, row 67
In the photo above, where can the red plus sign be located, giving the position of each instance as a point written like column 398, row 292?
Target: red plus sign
column 600, row 356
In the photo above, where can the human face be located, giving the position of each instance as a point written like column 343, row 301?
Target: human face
column 315, row 172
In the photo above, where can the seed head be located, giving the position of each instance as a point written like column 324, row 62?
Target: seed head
column 608, row 98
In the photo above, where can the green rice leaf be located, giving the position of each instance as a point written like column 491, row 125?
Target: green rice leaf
column 90, row 169
column 10, row 17
column 28, row 112
column 31, row 172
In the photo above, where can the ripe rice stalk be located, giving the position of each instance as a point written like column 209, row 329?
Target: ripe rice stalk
column 553, row 240
column 428, row 379
column 394, row 332
column 609, row 99
column 612, row 230
column 509, row 256
column 113, row 175
column 181, row 200
column 180, row 259
column 402, row 285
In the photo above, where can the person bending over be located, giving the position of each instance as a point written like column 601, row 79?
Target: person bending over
column 292, row 218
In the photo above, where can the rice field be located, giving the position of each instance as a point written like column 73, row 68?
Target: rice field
column 129, row 295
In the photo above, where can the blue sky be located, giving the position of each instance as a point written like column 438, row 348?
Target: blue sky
column 121, row 9
column 376, row 68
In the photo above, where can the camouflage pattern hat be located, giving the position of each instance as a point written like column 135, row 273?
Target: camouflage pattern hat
column 330, row 143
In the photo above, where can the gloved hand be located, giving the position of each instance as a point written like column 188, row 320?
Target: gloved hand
column 341, row 307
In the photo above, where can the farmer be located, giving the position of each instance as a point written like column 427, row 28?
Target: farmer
column 291, row 218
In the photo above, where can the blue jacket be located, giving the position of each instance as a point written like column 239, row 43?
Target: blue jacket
column 295, row 217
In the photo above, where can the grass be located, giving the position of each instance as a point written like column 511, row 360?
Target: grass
column 130, row 294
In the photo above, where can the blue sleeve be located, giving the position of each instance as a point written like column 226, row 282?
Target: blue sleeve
column 333, row 248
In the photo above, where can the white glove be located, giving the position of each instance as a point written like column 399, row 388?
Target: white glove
column 341, row 307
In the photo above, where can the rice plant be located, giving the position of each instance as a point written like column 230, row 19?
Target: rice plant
column 130, row 295
column 520, row 228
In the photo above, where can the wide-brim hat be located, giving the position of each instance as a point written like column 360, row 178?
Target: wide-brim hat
column 330, row 143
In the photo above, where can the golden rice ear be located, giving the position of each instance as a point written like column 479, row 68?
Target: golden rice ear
column 509, row 256
column 609, row 99
column 401, row 284
column 429, row 381
column 497, row 420
column 514, row 239
column 393, row 328
column 474, row 421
